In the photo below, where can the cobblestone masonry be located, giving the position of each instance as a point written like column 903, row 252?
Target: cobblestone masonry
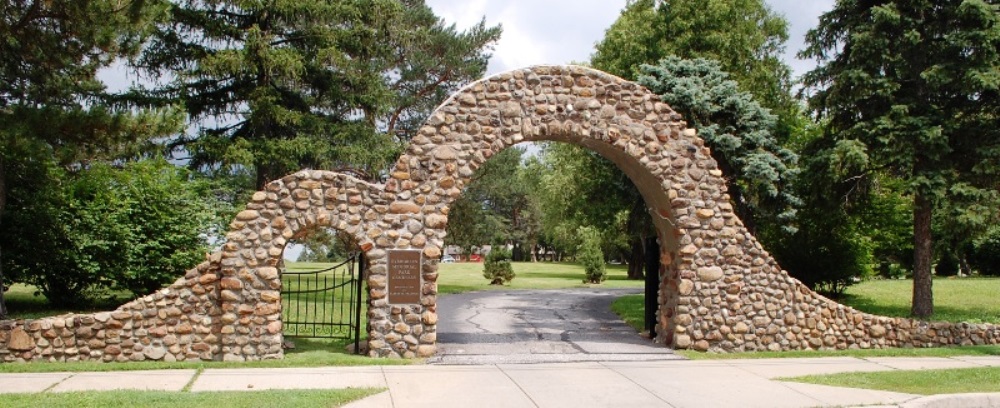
column 720, row 290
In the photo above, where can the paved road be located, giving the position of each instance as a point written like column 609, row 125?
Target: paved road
column 538, row 326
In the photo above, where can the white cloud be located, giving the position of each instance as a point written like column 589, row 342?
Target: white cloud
column 536, row 32
column 565, row 31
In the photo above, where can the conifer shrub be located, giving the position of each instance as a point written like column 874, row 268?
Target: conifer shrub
column 497, row 267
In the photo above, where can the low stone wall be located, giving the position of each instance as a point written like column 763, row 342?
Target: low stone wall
column 177, row 323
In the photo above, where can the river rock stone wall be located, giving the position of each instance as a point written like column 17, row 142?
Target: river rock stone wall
column 720, row 291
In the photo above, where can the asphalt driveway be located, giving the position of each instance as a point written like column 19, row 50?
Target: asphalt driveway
column 538, row 326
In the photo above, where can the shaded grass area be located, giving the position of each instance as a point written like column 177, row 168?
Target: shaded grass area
column 925, row 382
column 631, row 308
column 23, row 302
column 468, row 276
column 971, row 300
column 128, row 399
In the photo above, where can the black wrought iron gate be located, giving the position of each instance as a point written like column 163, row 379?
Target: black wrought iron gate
column 324, row 303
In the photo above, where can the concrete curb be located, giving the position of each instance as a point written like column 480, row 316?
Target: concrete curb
column 975, row 400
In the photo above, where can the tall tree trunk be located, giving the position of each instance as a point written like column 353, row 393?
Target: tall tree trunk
column 636, row 259
column 923, row 297
column 3, row 205
column 534, row 252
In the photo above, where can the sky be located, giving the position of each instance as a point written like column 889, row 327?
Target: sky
column 565, row 31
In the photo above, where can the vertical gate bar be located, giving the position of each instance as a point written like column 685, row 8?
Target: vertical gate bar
column 339, row 294
column 325, row 301
column 293, row 314
column 314, row 292
column 356, row 302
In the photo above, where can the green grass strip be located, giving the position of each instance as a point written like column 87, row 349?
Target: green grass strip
column 891, row 352
column 190, row 383
column 924, row 382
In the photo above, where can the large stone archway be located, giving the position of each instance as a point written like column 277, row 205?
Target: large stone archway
column 720, row 290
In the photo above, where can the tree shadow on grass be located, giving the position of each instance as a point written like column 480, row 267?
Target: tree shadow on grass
column 941, row 313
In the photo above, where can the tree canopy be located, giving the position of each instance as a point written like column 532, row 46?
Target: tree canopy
column 291, row 84
column 745, row 36
column 235, row 89
column 910, row 88
column 739, row 130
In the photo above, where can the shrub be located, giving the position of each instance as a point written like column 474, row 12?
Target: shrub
column 947, row 265
column 591, row 257
column 135, row 228
column 497, row 266
column 985, row 254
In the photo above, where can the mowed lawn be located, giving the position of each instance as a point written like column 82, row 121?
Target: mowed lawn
column 468, row 276
column 924, row 382
column 975, row 300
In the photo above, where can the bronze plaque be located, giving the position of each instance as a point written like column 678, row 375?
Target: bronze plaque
column 404, row 276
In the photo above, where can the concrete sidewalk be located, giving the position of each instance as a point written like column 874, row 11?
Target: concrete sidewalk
column 678, row 383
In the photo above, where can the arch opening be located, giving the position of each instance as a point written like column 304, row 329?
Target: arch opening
column 526, row 322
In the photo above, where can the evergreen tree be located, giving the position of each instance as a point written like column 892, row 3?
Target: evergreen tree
column 912, row 88
column 285, row 84
column 53, row 109
column 739, row 131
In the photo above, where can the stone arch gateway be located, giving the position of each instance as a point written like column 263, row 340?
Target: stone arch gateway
column 720, row 290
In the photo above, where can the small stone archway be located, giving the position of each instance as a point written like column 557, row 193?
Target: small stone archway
column 720, row 290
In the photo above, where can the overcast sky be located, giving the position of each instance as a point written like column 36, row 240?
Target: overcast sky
column 564, row 31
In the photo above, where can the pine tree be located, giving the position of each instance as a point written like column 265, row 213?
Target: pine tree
column 285, row 84
column 912, row 88
column 737, row 128
column 53, row 109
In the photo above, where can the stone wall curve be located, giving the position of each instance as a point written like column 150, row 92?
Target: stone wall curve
column 720, row 290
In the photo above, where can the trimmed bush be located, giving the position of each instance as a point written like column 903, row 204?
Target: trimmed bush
column 497, row 267
column 591, row 257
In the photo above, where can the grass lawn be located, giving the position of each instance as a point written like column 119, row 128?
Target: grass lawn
column 468, row 276
column 925, row 382
column 307, row 353
column 972, row 300
column 128, row 399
